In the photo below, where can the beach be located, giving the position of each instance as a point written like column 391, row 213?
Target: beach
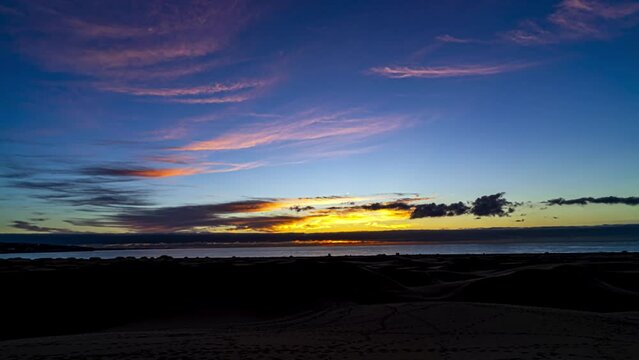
column 523, row 306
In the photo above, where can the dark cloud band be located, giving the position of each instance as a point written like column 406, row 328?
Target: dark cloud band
column 487, row 205
column 608, row 200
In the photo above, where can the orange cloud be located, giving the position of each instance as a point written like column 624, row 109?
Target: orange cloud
column 143, row 172
column 201, row 168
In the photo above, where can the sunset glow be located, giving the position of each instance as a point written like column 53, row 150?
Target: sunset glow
column 247, row 116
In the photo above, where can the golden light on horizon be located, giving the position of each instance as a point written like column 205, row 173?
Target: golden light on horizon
column 347, row 220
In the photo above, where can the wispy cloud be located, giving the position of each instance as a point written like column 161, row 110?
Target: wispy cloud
column 402, row 72
column 142, row 172
column 214, row 100
column 145, row 172
column 134, row 49
column 194, row 90
column 313, row 127
column 30, row 227
column 577, row 20
column 453, row 39
column 173, row 159
column 99, row 37
column 607, row 200
column 94, row 193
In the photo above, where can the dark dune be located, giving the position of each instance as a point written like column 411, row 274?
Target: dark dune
column 51, row 297
column 547, row 306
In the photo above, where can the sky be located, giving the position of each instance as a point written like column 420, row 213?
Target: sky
column 317, row 116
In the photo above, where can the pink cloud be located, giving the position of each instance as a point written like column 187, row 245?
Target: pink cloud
column 402, row 72
column 132, row 49
column 452, row 39
column 577, row 20
column 92, row 40
column 214, row 100
column 339, row 125
column 194, row 90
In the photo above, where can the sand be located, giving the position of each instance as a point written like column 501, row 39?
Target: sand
column 393, row 307
column 427, row 330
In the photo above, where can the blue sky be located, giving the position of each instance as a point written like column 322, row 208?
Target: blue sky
column 112, row 114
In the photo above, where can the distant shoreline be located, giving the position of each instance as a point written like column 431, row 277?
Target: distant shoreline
column 26, row 248
column 579, row 233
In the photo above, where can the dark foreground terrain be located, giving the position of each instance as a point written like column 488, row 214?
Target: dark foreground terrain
column 546, row 306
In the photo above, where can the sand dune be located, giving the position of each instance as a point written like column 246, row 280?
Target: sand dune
column 404, row 307
column 429, row 330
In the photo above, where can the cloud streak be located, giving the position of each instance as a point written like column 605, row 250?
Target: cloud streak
column 86, row 193
column 574, row 20
column 143, row 172
column 185, row 91
column 445, row 38
column 99, row 37
column 24, row 225
column 404, row 72
column 339, row 125
column 134, row 49
column 607, row 200
column 214, row 100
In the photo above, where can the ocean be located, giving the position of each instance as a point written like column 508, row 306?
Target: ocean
column 349, row 250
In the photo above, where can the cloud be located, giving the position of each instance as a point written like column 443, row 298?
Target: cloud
column 608, row 200
column 142, row 172
column 293, row 214
column 239, row 92
column 190, row 217
column 214, row 100
column 145, row 172
column 487, row 205
column 81, row 192
column 298, row 208
column 185, row 91
column 268, row 214
column 99, row 36
column 530, row 33
column 173, row 159
column 24, row 225
column 134, row 49
column 314, row 127
column 395, row 205
column 575, row 20
column 439, row 210
column 583, row 17
column 403, row 72
column 452, row 39
column 492, row 205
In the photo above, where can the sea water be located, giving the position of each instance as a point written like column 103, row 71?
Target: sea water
column 344, row 250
